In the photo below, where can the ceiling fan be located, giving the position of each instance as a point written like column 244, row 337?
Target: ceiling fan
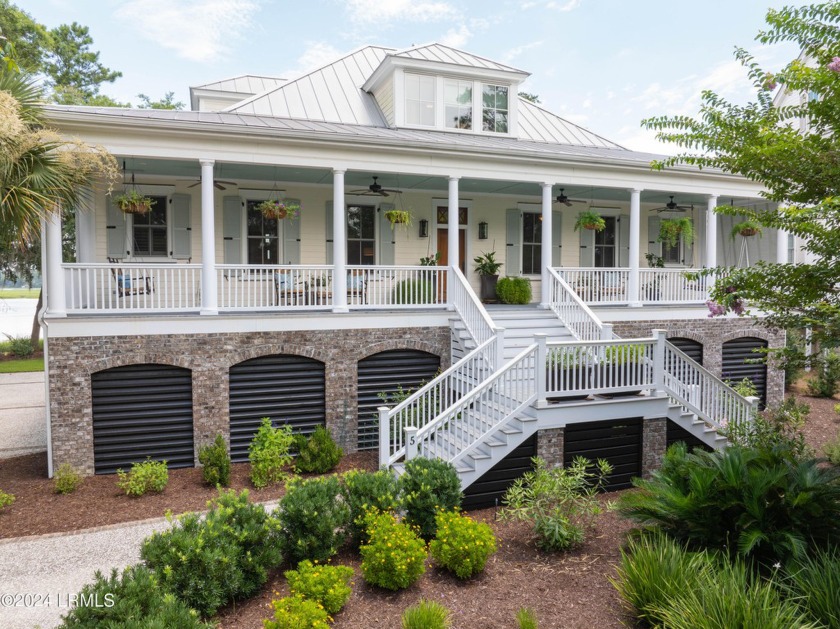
column 562, row 198
column 216, row 182
column 673, row 206
column 376, row 190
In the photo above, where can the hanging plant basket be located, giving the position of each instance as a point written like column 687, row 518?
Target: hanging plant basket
column 671, row 229
column 398, row 217
column 591, row 221
column 276, row 210
column 746, row 229
column 132, row 202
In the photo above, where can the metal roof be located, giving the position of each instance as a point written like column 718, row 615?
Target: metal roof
column 245, row 84
column 539, row 125
column 446, row 54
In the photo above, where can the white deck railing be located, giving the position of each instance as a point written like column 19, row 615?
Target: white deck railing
column 395, row 286
column 466, row 303
column 273, row 287
column 108, row 288
column 673, row 286
column 573, row 312
column 598, row 286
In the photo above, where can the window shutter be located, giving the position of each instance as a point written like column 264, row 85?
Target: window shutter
column 587, row 247
column 654, row 246
column 115, row 226
column 232, row 229
column 513, row 250
column 556, row 239
column 181, row 227
column 624, row 241
column 291, row 236
column 328, row 230
column 688, row 252
column 387, row 236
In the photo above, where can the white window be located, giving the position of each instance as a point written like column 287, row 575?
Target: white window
column 361, row 234
column 494, row 111
column 420, row 100
column 263, row 236
column 149, row 230
column 531, row 243
column 458, row 105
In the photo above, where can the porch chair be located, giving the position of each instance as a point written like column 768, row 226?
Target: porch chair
column 612, row 286
column 287, row 290
column 128, row 284
column 356, row 288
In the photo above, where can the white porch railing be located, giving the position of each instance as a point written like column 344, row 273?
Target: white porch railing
column 672, row 286
column 466, row 303
column 598, row 286
column 108, row 288
column 273, row 287
column 393, row 286
column 573, row 313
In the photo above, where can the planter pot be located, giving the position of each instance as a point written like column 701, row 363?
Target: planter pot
column 398, row 217
column 576, row 377
column 617, row 375
column 275, row 214
column 488, row 287
column 136, row 208
column 748, row 231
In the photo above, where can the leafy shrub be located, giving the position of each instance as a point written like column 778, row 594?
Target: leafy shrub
column 135, row 600
column 462, row 545
column 6, row 499
column 216, row 463
column 526, row 618
column 395, row 556
column 756, row 504
column 20, row 347
column 815, row 583
column 269, row 453
column 313, row 519
column 426, row 615
column 66, row 479
column 414, row 292
column 296, row 612
column 827, row 375
column 514, row 290
column 211, row 561
column 319, row 454
column 364, row 491
column 776, row 428
column 428, row 485
column 327, row 585
column 561, row 502
column 832, row 450
column 144, row 477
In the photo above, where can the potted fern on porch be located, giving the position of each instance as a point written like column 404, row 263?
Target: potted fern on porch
column 487, row 268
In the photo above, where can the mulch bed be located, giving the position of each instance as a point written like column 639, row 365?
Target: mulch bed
column 10, row 356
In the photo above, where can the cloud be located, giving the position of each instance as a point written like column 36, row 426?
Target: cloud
column 198, row 30
column 569, row 5
column 384, row 11
column 513, row 53
column 457, row 38
column 317, row 54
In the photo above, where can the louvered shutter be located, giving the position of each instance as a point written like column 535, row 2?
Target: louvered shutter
column 624, row 241
column 513, row 250
column 115, row 227
column 688, row 252
column 556, row 239
column 328, row 230
column 587, row 247
column 291, row 236
column 654, row 246
column 387, row 236
column 181, row 227
column 232, row 229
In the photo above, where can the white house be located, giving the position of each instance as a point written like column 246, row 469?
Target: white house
column 202, row 315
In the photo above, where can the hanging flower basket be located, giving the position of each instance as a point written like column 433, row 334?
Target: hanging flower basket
column 398, row 217
column 274, row 209
column 672, row 229
column 746, row 229
column 590, row 220
column 132, row 202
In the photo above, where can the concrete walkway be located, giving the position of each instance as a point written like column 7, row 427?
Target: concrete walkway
column 22, row 414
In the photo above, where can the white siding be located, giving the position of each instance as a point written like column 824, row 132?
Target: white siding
column 384, row 96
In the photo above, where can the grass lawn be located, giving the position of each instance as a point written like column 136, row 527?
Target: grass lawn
column 19, row 293
column 18, row 366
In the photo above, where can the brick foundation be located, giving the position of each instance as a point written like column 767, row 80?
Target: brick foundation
column 550, row 446
column 654, row 444
column 210, row 356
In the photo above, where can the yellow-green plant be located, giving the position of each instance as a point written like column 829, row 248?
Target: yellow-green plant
column 66, row 479
column 6, row 499
column 296, row 612
column 395, row 556
column 462, row 545
column 324, row 584
column 270, row 453
column 144, row 477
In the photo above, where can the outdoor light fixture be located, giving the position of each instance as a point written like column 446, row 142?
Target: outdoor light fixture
column 482, row 230
column 424, row 228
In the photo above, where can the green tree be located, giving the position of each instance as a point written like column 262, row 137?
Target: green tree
column 71, row 63
column 167, row 102
column 800, row 171
column 69, row 95
column 32, row 40
column 529, row 97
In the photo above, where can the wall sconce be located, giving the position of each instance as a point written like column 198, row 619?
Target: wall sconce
column 424, row 228
column 482, row 230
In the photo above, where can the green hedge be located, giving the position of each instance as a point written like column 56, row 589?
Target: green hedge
column 514, row 290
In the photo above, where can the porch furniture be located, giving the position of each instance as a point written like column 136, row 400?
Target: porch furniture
column 128, row 284
column 289, row 292
column 611, row 286
column 356, row 288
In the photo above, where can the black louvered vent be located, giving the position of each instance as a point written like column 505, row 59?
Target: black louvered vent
column 674, row 433
column 288, row 389
column 142, row 411
column 493, row 484
column 618, row 441
column 386, row 372
column 739, row 363
column 693, row 349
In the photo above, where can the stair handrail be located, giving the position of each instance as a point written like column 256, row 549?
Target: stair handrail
column 578, row 318
column 476, row 320
column 698, row 390
column 521, row 394
column 450, row 385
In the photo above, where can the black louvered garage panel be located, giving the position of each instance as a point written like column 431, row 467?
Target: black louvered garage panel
column 386, row 372
column 674, row 433
column 142, row 411
column 739, row 363
column 617, row 441
column 288, row 389
column 693, row 349
column 492, row 486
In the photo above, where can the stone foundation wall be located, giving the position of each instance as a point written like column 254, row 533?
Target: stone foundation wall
column 654, row 444
column 550, row 446
column 210, row 356
column 713, row 333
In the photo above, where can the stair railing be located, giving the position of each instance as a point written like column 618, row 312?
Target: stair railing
column 574, row 313
column 476, row 320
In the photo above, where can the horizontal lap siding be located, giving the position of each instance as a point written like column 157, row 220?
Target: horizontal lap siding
column 288, row 389
column 492, row 485
column 142, row 411
column 619, row 442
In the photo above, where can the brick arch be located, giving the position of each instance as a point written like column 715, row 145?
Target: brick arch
column 757, row 333
column 146, row 358
column 688, row 334
column 392, row 344
column 273, row 349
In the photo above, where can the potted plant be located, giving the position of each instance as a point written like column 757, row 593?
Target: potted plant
column 398, row 217
column 275, row 209
column 620, row 367
column 430, row 260
column 132, row 202
column 671, row 229
column 747, row 228
column 487, row 268
column 567, row 369
column 590, row 220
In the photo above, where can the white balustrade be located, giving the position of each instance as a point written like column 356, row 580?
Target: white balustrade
column 396, row 286
column 674, row 286
column 274, row 287
column 573, row 312
column 466, row 303
column 597, row 285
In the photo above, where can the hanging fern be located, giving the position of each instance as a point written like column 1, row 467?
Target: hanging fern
column 671, row 229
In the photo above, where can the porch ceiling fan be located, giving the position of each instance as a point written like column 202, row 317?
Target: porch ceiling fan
column 673, row 206
column 376, row 190
column 562, row 198
column 216, row 182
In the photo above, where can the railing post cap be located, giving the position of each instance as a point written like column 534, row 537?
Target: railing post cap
column 540, row 334
column 383, row 409
column 753, row 400
column 411, row 429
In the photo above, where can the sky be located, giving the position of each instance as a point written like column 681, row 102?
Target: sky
column 602, row 64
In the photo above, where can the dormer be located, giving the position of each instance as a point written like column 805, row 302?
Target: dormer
column 435, row 87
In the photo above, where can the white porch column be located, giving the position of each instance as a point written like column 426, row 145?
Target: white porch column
column 635, row 244
column 711, row 232
column 781, row 246
column 453, row 227
column 545, row 276
column 209, row 297
column 339, row 244
column 56, row 295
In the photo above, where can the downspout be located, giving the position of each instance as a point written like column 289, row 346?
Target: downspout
column 45, row 333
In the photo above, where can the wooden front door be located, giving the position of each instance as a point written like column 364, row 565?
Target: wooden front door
column 443, row 250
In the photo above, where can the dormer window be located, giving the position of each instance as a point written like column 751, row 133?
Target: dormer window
column 420, row 100
column 458, row 103
column 495, row 108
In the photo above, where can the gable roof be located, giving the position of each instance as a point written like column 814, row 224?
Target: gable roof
column 244, row 84
column 540, row 125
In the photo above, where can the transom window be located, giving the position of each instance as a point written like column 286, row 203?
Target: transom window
column 531, row 243
column 420, row 100
column 457, row 101
column 495, row 108
column 263, row 236
column 361, row 234
column 149, row 231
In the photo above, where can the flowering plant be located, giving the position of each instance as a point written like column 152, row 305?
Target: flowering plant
column 731, row 301
column 275, row 209
column 834, row 65
column 132, row 202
